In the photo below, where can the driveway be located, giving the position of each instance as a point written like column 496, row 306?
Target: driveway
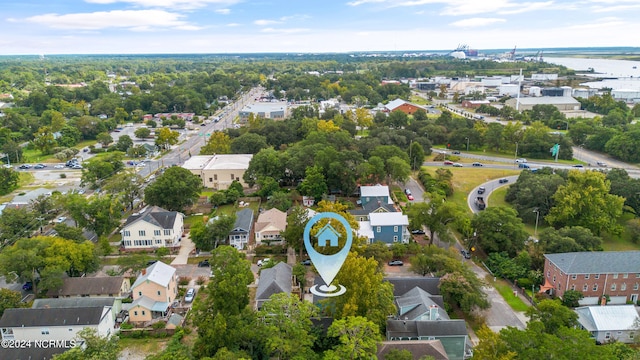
column 186, row 247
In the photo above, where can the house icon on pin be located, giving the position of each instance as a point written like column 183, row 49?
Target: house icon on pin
column 328, row 235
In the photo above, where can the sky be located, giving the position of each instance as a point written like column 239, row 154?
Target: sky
column 40, row 27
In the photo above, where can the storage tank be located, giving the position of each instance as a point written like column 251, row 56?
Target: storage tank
column 567, row 90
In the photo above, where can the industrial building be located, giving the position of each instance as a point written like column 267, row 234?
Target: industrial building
column 563, row 103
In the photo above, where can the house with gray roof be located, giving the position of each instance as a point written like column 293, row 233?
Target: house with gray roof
column 152, row 228
column 377, row 193
column 612, row 275
column 389, row 228
column 418, row 304
column 102, row 286
column 402, row 285
column 79, row 302
column 55, row 323
column 606, row 324
column 274, row 280
column 242, row 229
column 418, row 349
column 451, row 333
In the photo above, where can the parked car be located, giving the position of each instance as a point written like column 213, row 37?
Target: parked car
column 203, row 263
column 76, row 167
column 25, row 166
column 263, row 261
column 59, row 166
column 523, row 166
column 578, row 166
column 465, row 253
column 521, row 160
column 417, row 232
column 407, row 191
column 28, row 286
column 85, row 150
column 503, row 181
column 600, row 163
column 396, row 263
column 190, row 295
column 457, row 165
column 306, row 262
column 410, row 197
column 477, row 164
column 61, row 219
column 447, row 162
column 456, row 152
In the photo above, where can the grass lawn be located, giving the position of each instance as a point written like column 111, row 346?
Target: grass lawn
column 497, row 197
column 26, row 178
column 506, row 292
column 192, row 219
column 465, row 179
column 622, row 242
column 207, row 193
column 34, row 155
column 145, row 346
column 419, row 100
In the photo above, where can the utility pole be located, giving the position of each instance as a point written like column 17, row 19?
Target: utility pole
column 535, row 231
column 467, row 143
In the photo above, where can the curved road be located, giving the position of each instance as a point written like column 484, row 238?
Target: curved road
column 490, row 186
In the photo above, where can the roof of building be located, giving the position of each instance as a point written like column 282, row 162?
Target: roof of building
column 274, row 280
column 547, row 100
column 264, row 107
column 244, row 220
column 388, row 219
column 32, row 353
column 608, row 318
column 597, row 262
column 417, row 348
column 218, row 162
column 28, row 317
column 394, row 104
column 413, row 328
column 73, row 302
column 374, row 191
column 77, row 286
column 175, row 320
column 403, row 285
column 365, row 229
column 148, row 303
column 417, row 302
column 374, row 205
column 271, row 218
column 158, row 272
column 155, row 215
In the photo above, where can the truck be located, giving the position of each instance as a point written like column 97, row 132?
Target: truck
column 523, row 166
column 480, row 203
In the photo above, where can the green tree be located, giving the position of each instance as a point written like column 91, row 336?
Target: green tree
column 280, row 200
column 314, row 183
column 16, row 223
column 174, row 190
column 218, row 143
column 70, row 232
column 124, row 143
column 398, row 169
column 101, row 214
column 287, row 320
column 97, row 170
column 95, row 347
column 166, row 137
column 126, row 185
column 585, row 201
column 416, row 155
column 44, row 141
column 358, row 338
column 553, row 316
column 293, row 233
column 267, row 162
column 437, row 215
column 248, row 143
column 367, row 295
column 10, row 299
column 571, row 298
column 499, row 229
column 142, row 133
column 104, row 138
column 9, row 179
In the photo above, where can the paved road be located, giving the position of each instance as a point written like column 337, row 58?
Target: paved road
column 490, row 186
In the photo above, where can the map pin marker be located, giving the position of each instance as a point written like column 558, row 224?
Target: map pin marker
column 328, row 266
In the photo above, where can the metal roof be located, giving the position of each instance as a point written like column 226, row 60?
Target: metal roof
column 374, row 191
column 159, row 273
column 27, row 317
column 607, row 318
column 388, row 219
column 597, row 262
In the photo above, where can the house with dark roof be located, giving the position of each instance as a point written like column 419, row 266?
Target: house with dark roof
column 599, row 274
column 80, row 302
column 102, row 286
column 418, row 349
column 378, row 205
column 153, row 293
column 606, row 324
column 274, row 280
column 241, row 232
column 55, row 323
column 32, row 353
column 418, row 304
column 403, row 285
column 152, row 228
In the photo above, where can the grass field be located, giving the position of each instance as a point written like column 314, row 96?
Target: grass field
column 497, row 197
column 506, row 292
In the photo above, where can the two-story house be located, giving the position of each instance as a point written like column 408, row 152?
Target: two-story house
column 274, row 280
column 377, row 193
column 241, row 232
column 152, row 228
column 389, row 228
column 153, row 292
column 611, row 274
column 610, row 323
column 269, row 226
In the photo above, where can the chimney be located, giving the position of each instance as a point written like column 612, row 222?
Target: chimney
column 144, row 271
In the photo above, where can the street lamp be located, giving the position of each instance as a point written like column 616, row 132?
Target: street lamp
column 467, row 143
column 535, row 231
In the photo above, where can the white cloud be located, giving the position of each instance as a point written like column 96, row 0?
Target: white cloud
column 138, row 20
column 284, row 31
column 476, row 22
column 171, row 4
column 224, row 11
column 618, row 8
column 361, row 2
column 599, row 24
column 527, row 7
column 264, row 22
column 464, row 7
column 233, row 24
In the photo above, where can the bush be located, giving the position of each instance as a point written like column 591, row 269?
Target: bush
column 201, row 280
column 63, row 176
column 126, row 326
column 127, row 300
column 159, row 325
column 525, row 283
column 184, row 280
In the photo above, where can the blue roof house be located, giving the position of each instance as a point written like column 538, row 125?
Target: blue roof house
column 375, row 193
column 390, row 227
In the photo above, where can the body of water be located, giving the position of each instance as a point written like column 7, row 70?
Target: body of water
column 619, row 74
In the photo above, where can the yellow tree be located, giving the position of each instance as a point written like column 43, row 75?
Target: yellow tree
column 166, row 137
column 327, row 126
column 218, row 143
column 491, row 346
column 363, row 118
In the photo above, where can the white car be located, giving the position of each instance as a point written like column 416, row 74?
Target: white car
column 61, row 219
column 263, row 262
column 519, row 161
column 190, row 295
column 59, row 166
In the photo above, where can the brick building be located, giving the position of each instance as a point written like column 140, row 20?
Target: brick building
column 401, row 105
column 615, row 274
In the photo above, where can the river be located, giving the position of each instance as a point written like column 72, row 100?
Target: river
column 617, row 74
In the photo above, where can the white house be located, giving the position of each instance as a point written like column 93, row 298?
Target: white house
column 153, row 228
column 270, row 225
column 610, row 323
column 62, row 324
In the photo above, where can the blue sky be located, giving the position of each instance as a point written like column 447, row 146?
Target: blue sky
column 232, row 26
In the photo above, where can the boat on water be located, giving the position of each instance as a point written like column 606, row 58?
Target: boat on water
column 635, row 67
